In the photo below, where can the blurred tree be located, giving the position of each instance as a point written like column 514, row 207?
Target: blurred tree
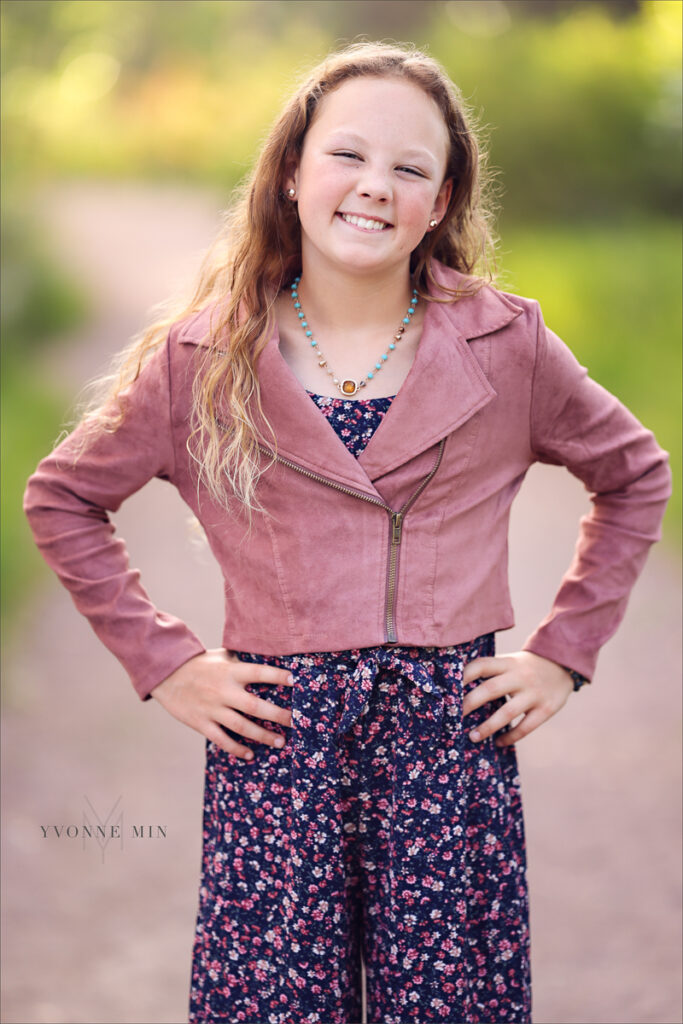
column 404, row 20
column 553, row 8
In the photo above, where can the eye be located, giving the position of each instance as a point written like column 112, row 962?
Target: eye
column 348, row 153
column 411, row 170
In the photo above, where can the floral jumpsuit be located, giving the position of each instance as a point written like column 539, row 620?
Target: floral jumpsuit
column 378, row 832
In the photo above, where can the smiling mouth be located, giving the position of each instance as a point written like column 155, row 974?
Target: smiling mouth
column 364, row 223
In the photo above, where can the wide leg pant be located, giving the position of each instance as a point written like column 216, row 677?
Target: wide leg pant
column 379, row 831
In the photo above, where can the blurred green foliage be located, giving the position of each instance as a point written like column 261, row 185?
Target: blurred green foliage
column 613, row 293
column 31, row 414
column 37, row 298
column 584, row 108
column 38, row 302
column 584, row 113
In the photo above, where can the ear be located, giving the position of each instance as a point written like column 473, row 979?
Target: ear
column 442, row 199
column 291, row 176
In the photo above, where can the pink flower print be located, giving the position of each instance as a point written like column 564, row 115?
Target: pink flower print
column 453, row 827
column 490, row 844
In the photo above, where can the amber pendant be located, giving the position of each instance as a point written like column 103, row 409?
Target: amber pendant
column 349, row 386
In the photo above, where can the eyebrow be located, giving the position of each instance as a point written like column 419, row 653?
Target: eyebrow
column 340, row 136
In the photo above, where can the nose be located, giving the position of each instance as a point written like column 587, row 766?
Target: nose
column 373, row 184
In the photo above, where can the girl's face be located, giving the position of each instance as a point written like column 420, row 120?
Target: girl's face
column 370, row 177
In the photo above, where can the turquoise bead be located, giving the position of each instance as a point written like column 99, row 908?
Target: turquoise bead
column 314, row 344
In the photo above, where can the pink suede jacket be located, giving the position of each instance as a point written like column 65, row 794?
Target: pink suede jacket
column 406, row 544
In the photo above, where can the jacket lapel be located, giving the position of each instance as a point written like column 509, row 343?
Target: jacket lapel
column 303, row 435
column 446, row 384
column 444, row 388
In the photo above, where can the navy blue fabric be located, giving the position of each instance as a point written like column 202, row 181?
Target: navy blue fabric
column 355, row 421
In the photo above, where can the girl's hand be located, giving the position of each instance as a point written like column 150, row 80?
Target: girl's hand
column 534, row 687
column 209, row 691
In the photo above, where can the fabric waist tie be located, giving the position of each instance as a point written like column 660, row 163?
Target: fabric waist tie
column 421, row 673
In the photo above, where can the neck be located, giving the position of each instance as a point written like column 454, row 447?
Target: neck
column 334, row 300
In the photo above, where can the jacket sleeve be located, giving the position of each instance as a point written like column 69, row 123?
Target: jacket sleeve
column 67, row 500
column 577, row 423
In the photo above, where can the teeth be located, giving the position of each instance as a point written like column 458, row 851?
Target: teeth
column 362, row 222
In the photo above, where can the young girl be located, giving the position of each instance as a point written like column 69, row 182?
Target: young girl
column 362, row 803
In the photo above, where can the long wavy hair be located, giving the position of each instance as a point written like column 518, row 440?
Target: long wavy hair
column 257, row 252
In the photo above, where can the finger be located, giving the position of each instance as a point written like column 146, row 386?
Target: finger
column 531, row 721
column 224, row 742
column 247, row 672
column 249, row 704
column 489, row 689
column 232, row 720
column 479, row 667
column 498, row 720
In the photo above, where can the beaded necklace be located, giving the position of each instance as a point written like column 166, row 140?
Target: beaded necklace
column 348, row 386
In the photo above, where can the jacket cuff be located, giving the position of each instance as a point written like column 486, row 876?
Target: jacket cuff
column 146, row 677
column 577, row 661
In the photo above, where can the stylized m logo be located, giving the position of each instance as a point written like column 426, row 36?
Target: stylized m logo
column 103, row 830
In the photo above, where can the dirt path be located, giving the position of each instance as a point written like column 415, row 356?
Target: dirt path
column 105, row 936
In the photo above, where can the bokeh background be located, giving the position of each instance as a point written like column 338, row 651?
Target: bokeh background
column 125, row 126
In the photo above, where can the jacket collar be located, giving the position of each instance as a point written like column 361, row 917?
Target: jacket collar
column 444, row 388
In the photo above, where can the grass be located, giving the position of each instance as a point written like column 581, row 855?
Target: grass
column 613, row 293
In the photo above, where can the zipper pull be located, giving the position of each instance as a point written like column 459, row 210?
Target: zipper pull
column 397, row 525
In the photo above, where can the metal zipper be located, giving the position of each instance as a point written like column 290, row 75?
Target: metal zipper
column 395, row 545
column 395, row 524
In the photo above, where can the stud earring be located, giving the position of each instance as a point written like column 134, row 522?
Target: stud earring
column 291, row 192
column 433, row 223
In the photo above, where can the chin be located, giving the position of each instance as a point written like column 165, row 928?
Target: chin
column 364, row 262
